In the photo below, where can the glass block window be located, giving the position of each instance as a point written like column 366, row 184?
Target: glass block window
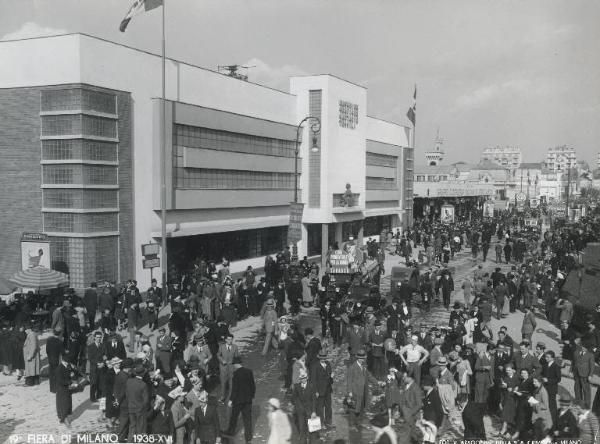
column 314, row 158
column 62, row 125
column 202, row 178
column 105, row 257
column 79, row 149
column 99, row 126
column 73, row 99
column 380, row 183
column 79, row 174
column 84, row 199
column 375, row 159
column 80, row 223
column 196, row 137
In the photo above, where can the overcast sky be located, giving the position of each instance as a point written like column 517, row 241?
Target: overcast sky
column 520, row 73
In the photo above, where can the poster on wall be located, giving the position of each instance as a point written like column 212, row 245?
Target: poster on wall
column 447, row 214
column 35, row 250
column 488, row 208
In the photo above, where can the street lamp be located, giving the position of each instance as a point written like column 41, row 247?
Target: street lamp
column 315, row 126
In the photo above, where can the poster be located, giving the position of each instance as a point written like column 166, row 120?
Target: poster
column 35, row 250
column 488, row 208
column 295, row 225
column 447, row 214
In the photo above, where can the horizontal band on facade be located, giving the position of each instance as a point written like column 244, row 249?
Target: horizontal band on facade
column 78, row 162
column 79, row 210
column 86, row 235
column 80, row 136
column 79, row 111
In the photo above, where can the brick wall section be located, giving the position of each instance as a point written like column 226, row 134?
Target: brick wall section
column 20, row 173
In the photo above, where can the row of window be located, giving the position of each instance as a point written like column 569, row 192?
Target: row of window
column 79, row 124
column 315, row 105
column 79, row 149
column 79, row 174
column 72, row 99
column 381, row 183
column 375, row 159
column 431, row 178
column 81, row 223
column 196, row 137
column 204, row 178
column 77, row 198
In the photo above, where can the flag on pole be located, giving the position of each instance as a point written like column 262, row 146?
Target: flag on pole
column 138, row 7
column 412, row 111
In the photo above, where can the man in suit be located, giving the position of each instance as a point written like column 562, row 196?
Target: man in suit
column 357, row 380
column 163, row 346
column 119, row 395
column 321, row 379
column 566, row 425
column 114, row 347
column 525, row 360
column 583, row 369
column 54, row 347
column 506, row 341
column 303, row 399
column 551, row 376
column 432, row 404
column 425, row 339
column 90, row 301
column 411, row 400
column 243, row 390
column 472, row 416
column 96, row 356
column 138, row 402
column 226, row 354
column 155, row 294
column 206, row 420
column 313, row 346
column 356, row 339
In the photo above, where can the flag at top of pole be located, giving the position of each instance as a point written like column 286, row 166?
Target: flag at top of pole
column 138, row 7
column 412, row 111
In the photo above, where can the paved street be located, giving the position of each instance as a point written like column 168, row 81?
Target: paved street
column 26, row 409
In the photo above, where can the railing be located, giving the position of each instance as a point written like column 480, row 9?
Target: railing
column 341, row 200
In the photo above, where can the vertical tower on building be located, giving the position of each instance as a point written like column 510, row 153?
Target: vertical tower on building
column 436, row 156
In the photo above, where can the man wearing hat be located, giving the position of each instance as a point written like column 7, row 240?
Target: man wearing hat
column 228, row 351
column 583, row 369
column 566, row 425
column 432, row 404
column 269, row 319
column 163, row 345
column 551, row 376
column 155, row 294
column 138, row 402
column 304, row 400
column 95, row 354
column 243, row 390
column 357, row 381
column 321, row 378
column 356, row 339
column 377, row 352
column 181, row 414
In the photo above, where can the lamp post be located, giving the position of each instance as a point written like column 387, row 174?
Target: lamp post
column 568, row 189
column 316, row 128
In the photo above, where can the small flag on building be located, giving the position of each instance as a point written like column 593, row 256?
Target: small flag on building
column 138, row 7
column 412, row 111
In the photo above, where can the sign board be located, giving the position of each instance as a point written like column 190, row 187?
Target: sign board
column 35, row 250
column 150, row 249
column 295, row 225
column 447, row 214
column 340, row 262
column 151, row 263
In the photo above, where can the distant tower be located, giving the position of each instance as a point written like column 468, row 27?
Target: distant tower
column 435, row 157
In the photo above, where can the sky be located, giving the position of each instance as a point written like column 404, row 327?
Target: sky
column 489, row 72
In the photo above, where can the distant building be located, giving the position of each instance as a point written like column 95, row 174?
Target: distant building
column 507, row 157
column 560, row 158
column 436, row 156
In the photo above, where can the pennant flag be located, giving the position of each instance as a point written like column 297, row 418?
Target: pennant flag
column 412, row 111
column 138, row 7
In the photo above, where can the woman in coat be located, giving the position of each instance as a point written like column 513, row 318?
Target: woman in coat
column 31, row 355
column 523, row 392
column 464, row 373
column 540, row 411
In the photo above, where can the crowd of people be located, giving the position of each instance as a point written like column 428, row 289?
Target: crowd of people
column 179, row 384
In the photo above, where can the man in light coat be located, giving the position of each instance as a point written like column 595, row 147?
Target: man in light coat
column 269, row 323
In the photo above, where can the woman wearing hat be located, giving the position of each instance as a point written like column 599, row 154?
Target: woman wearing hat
column 508, row 384
column 280, row 430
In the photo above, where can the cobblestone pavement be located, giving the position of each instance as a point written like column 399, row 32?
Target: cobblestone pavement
column 32, row 409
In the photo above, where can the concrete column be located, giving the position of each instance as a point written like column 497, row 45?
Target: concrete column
column 338, row 233
column 303, row 244
column 361, row 230
column 324, row 244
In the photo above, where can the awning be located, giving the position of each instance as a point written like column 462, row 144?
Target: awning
column 40, row 278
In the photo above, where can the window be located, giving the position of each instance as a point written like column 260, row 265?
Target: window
column 77, row 174
column 84, row 199
column 80, row 223
column 73, row 99
column 79, row 124
column 380, row 183
column 196, row 137
column 375, row 159
column 201, row 178
column 79, row 149
column 99, row 126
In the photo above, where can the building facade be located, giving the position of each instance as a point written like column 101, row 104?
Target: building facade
column 560, row 158
column 507, row 157
column 82, row 139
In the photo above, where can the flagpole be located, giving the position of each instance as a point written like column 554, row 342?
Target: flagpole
column 163, row 147
column 414, row 140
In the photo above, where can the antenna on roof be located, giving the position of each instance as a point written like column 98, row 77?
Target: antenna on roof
column 234, row 71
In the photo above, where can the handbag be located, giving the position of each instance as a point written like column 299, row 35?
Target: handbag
column 314, row 424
